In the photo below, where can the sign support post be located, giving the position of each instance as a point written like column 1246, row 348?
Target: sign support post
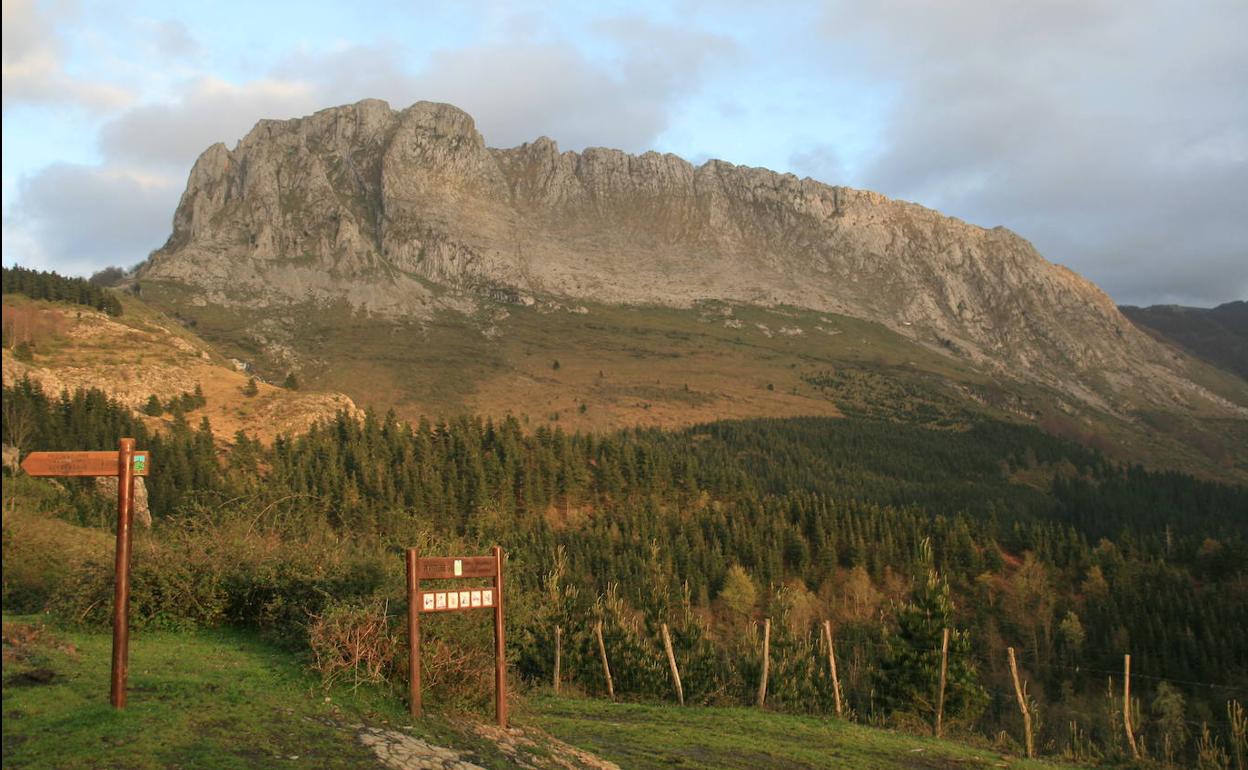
column 121, row 582
column 413, row 632
column 491, row 597
column 500, row 656
column 125, row 464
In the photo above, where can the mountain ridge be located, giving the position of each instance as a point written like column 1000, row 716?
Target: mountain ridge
column 406, row 220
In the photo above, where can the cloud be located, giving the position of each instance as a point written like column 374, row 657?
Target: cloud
column 520, row 88
column 80, row 218
column 77, row 219
column 173, row 40
column 819, row 161
column 209, row 111
column 1114, row 135
column 34, row 67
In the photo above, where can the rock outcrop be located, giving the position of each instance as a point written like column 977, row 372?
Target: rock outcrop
column 395, row 211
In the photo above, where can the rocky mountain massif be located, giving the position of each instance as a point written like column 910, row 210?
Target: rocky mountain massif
column 315, row 237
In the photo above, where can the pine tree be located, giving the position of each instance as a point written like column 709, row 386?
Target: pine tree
column 909, row 676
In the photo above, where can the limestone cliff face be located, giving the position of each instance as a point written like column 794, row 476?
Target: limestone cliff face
column 388, row 209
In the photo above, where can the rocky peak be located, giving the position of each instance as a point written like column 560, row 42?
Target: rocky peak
column 374, row 206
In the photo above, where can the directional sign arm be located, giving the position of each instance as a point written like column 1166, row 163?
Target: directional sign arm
column 81, row 464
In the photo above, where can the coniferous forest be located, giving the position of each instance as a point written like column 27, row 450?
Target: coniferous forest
column 1006, row 536
column 40, row 284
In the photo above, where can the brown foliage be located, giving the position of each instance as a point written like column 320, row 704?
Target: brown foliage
column 30, row 324
column 355, row 641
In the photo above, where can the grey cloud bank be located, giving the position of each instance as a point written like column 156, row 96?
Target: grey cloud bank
column 1113, row 135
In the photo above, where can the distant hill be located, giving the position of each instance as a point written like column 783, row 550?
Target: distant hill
column 1218, row 335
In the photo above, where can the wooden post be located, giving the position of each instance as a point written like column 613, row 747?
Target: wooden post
column 500, row 652
column 121, row 583
column 762, row 680
column 125, row 464
column 940, row 694
column 413, row 633
column 671, row 661
column 1126, row 706
column 602, row 652
column 558, row 650
column 836, row 681
column 1022, row 705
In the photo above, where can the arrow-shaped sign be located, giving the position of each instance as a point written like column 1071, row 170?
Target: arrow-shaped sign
column 80, row 464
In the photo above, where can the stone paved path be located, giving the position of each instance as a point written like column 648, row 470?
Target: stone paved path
column 404, row 752
column 528, row 748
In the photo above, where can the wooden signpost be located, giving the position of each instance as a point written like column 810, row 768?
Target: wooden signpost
column 418, row 601
column 125, row 464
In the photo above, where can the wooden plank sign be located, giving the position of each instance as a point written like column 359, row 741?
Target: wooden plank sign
column 453, row 600
column 81, row 464
column 125, row 464
column 446, row 567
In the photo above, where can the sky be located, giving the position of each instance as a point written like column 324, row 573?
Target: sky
column 1111, row 134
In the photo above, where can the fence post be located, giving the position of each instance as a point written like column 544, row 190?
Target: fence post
column 671, row 661
column 762, row 680
column 602, row 652
column 1022, row 704
column 836, row 681
column 944, row 667
column 1126, row 706
column 558, row 649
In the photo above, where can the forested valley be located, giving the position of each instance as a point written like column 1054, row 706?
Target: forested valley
column 1004, row 535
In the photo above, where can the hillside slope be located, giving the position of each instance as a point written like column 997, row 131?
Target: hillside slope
column 142, row 353
column 1218, row 335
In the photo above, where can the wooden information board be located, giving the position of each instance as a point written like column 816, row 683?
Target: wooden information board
column 125, row 464
column 456, row 600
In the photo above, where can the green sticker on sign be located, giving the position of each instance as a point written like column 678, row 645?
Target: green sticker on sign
column 140, row 461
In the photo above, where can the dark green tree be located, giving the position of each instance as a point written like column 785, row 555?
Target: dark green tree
column 909, row 676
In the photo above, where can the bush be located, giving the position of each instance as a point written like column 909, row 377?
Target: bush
column 198, row 572
column 357, row 641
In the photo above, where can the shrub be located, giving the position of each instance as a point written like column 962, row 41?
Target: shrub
column 356, row 641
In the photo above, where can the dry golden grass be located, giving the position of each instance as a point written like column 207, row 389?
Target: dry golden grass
column 143, row 353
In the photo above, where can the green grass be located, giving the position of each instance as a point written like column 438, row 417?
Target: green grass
column 651, row 736
column 219, row 699
column 227, row 699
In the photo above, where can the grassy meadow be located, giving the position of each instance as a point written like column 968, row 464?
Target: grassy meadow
column 225, row 698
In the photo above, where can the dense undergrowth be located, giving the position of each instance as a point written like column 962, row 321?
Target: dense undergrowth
column 1007, row 536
